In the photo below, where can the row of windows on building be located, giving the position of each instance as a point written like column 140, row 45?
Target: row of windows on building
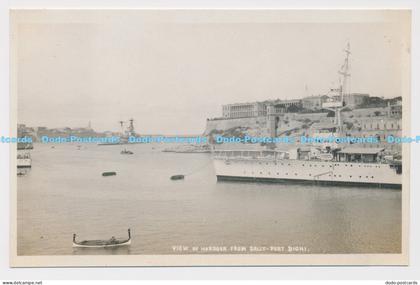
column 383, row 125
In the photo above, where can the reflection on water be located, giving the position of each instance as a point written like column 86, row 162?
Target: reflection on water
column 105, row 251
column 65, row 193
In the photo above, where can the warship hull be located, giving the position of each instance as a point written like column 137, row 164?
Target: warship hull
column 316, row 172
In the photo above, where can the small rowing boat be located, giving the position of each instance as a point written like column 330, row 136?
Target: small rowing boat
column 109, row 173
column 125, row 151
column 112, row 242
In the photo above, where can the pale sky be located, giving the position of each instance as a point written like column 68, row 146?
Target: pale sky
column 171, row 74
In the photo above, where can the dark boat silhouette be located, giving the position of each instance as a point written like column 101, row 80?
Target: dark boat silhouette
column 177, row 177
column 112, row 242
column 125, row 151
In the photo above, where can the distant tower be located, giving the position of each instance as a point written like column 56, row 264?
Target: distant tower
column 273, row 121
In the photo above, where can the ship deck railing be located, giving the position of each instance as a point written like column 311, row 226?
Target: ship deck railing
column 249, row 155
column 276, row 159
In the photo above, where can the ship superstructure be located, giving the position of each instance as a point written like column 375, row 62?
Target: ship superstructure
column 125, row 133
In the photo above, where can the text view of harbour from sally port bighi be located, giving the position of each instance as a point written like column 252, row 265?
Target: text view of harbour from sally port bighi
column 176, row 198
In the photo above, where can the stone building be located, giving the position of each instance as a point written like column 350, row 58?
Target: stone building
column 355, row 99
column 395, row 110
column 244, row 110
column 258, row 109
column 314, row 102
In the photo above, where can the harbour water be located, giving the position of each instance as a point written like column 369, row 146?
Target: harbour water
column 65, row 193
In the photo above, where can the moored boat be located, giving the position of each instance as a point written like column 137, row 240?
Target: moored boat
column 177, row 177
column 125, row 151
column 112, row 242
column 24, row 160
column 349, row 166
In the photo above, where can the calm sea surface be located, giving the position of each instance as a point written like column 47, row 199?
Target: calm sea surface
column 65, row 193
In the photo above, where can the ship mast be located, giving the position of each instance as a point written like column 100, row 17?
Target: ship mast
column 344, row 72
column 131, row 128
column 122, row 127
column 339, row 105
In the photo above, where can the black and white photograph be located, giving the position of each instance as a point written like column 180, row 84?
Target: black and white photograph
column 183, row 137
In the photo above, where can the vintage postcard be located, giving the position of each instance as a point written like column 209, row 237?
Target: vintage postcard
column 209, row 137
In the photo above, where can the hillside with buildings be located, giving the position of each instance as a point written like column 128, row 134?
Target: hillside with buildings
column 362, row 116
column 36, row 133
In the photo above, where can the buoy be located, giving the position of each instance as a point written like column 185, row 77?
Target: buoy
column 177, row 177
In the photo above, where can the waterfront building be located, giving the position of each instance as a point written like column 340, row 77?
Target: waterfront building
column 355, row 99
column 395, row 110
column 244, row 110
column 258, row 109
column 380, row 127
column 282, row 106
column 351, row 100
column 314, row 102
